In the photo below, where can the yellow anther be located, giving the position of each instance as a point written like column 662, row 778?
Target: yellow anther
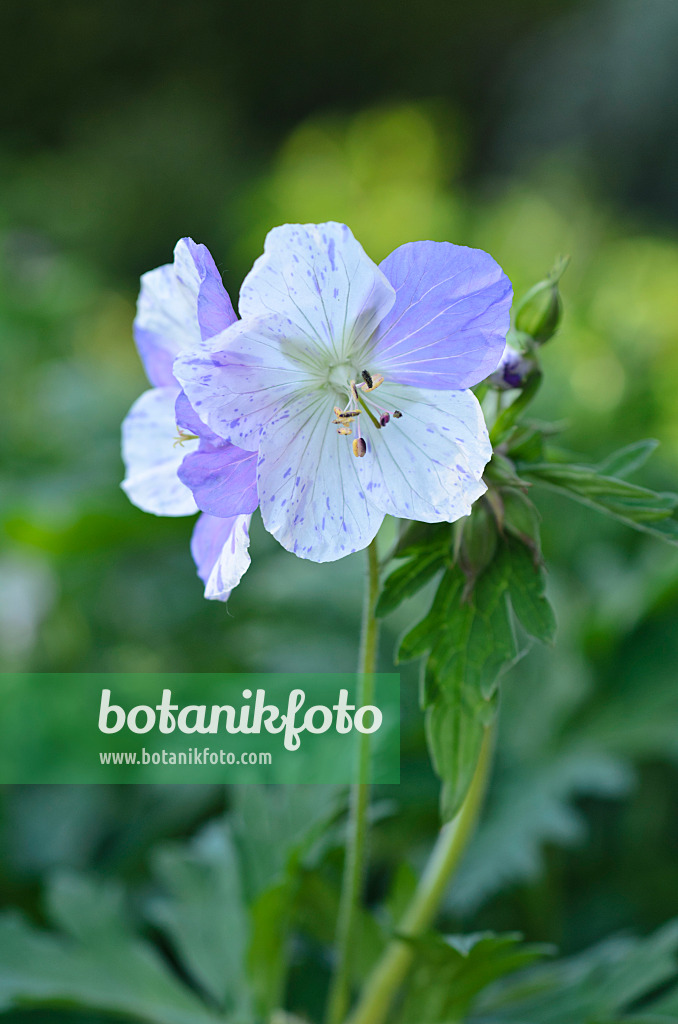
column 359, row 447
column 344, row 430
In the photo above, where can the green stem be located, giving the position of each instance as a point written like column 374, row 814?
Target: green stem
column 395, row 962
column 354, row 864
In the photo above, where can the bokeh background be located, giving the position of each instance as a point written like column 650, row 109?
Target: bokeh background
column 529, row 128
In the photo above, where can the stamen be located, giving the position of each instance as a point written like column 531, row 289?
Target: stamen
column 344, row 430
column 359, row 447
column 371, row 383
column 397, row 414
column 369, row 412
column 384, row 418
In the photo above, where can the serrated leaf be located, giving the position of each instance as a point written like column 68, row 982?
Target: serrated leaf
column 410, row 577
column 526, row 587
column 204, row 914
column 113, row 972
column 454, row 732
column 471, row 642
column 450, row 972
column 598, row 984
column 529, row 807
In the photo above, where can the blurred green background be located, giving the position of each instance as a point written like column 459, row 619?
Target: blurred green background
column 527, row 128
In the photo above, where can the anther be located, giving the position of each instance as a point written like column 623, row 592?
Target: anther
column 359, row 447
column 384, row 418
column 397, row 414
column 344, row 430
column 367, row 378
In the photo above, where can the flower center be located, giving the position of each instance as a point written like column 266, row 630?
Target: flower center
column 360, row 401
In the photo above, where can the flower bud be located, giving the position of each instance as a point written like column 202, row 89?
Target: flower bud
column 539, row 312
column 514, row 370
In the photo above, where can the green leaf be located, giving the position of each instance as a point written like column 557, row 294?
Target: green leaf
column 471, row 642
column 598, row 984
column 204, row 914
column 278, row 831
column 109, row 970
column 410, row 577
column 526, row 588
column 531, row 806
column 450, row 971
column 627, row 460
column 506, row 420
column 642, row 509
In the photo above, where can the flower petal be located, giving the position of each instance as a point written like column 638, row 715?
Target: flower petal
column 320, row 280
column 311, row 497
column 448, row 325
column 152, row 457
column 220, row 551
column 428, row 464
column 222, row 478
column 238, row 381
column 167, row 311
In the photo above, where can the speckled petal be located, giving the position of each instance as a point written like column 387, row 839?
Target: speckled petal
column 239, row 380
column 152, row 457
column 220, row 552
column 167, row 311
column 448, row 325
column 311, row 496
column 428, row 464
column 318, row 278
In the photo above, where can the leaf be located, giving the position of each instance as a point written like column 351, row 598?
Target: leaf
column 109, row 970
column 598, row 984
column 642, row 509
column 275, row 827
column 527, row 583
column 471, row 642
column 627, row 460
column 410, row 577
column 204, row 914
column 529, row 807
column 506, row 420
column 450, row 971
column 277, row 830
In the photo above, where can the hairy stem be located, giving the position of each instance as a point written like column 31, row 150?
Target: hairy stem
column 354, row 864
column 392, row 968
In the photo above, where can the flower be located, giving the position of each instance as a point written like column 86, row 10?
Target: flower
column 161, row 431
column 514, row 370
column 350, row 382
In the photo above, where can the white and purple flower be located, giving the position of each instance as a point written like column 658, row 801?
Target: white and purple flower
column 350, row 382
column 161, row 431
column 340, row 396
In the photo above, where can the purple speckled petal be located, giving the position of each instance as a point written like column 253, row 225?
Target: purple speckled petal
column 167, row 311
column 220, row 552
column 311, row 497
column 448, row 325
column 318, row 278
column 222, row 478
column 152, row 457
column 428, row 464
column 239, row 380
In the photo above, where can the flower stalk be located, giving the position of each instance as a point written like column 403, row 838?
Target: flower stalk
column 392, row 968
column 354, row 864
